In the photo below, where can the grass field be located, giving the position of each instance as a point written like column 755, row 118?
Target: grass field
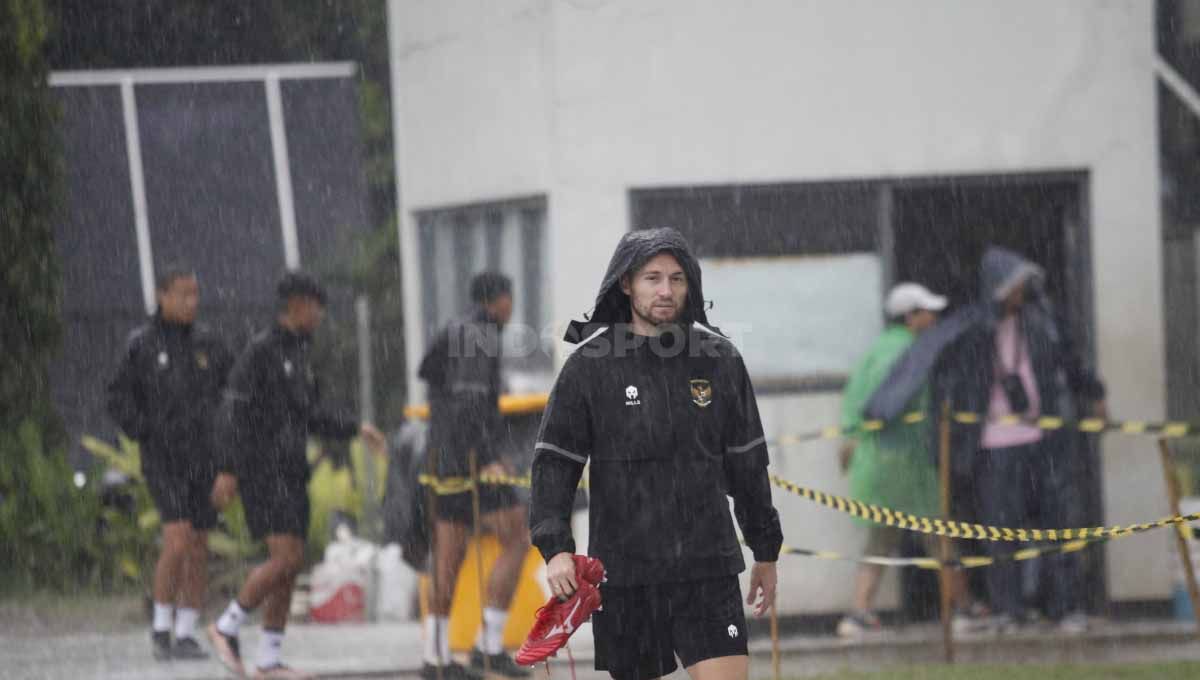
column 1166, row 671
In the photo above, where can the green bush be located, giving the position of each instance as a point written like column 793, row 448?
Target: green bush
column 130, row 537
column 54, row 537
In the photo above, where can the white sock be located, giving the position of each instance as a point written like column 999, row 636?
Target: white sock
column 233, row 618
column 185, row 623
column 162, row 617
column 491, row 634
column 268, row 648
column 437, row 640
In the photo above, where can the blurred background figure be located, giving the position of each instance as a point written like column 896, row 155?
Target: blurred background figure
column 462, row 369
column 1007, row 357
column 271, row 408
column 1018, row 362
column 892, row 467
column 164, row 396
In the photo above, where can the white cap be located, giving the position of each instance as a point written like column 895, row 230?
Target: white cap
column 909, row 297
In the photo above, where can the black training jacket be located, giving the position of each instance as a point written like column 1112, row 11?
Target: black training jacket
column 272, row 406
column 166, row 390
column 462, row 369
column 671, row 428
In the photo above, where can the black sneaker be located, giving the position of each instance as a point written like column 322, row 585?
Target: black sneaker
column 501, row 664
column 187, row 649
column 450, row 671
column 160, row 644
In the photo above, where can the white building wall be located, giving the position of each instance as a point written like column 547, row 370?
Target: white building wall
column 584, row 100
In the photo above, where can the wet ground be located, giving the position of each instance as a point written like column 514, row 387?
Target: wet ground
column 393, row 650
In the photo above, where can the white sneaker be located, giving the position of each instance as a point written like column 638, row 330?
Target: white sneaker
column 1003, row 624
column 964, row 624
column 1073, row 624
column 974, row 619
column 856, row 624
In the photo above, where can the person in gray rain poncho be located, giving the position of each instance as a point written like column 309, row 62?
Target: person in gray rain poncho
column 1006, row 355
column 661, row 405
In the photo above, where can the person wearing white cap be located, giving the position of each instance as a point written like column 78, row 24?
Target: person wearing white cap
column 891, row 467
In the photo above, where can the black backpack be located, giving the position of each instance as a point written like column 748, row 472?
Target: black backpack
column 405, row 520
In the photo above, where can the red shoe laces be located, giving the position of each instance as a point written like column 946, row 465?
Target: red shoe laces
column 570, row 660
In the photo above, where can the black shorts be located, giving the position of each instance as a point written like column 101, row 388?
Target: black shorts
column 275, row 505
column 183, row 496
column 457, row 507
column 640, row 630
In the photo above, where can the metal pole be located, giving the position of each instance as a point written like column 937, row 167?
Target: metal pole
column 1182, row 530
column 432, row 468
column 487, row 664
column 366, row 401
column 775, row 642
column 944, row 580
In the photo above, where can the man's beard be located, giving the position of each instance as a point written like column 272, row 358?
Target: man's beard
column 656, row 322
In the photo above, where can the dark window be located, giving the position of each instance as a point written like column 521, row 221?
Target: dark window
column 458, row 242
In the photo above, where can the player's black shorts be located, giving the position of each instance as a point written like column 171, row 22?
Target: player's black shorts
column 275, row 505
column 641, row 629
column 183, row 496
column 457, row 507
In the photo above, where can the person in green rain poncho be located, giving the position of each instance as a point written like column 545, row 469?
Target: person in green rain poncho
column 892, row 467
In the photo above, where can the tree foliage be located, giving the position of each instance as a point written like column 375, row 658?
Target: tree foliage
column 39, row 509
column 29, row 187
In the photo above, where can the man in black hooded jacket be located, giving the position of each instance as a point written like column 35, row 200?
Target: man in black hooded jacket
column 662, row 407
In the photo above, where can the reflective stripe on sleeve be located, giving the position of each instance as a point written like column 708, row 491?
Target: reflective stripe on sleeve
column 746, row 447
column 582, row 460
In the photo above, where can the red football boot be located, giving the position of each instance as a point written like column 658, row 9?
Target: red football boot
column 558, row 620
column 589, row 569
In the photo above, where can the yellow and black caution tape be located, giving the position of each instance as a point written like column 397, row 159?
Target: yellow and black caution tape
column 956, row 529
column 451, row 485
column 1166, row 429
column 967, row 562
column 527, row 404
column 881, row 515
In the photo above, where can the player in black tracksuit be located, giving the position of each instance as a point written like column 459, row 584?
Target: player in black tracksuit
column 462, row 369
column 163, row 396
column 661, row 406
column 272, row 406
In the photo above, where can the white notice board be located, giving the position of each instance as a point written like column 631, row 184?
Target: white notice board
column 797, row 317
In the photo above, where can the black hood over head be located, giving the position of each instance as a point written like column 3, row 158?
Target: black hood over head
column 635, row 249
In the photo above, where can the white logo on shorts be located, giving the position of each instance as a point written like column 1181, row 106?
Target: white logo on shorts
column 733, row 631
